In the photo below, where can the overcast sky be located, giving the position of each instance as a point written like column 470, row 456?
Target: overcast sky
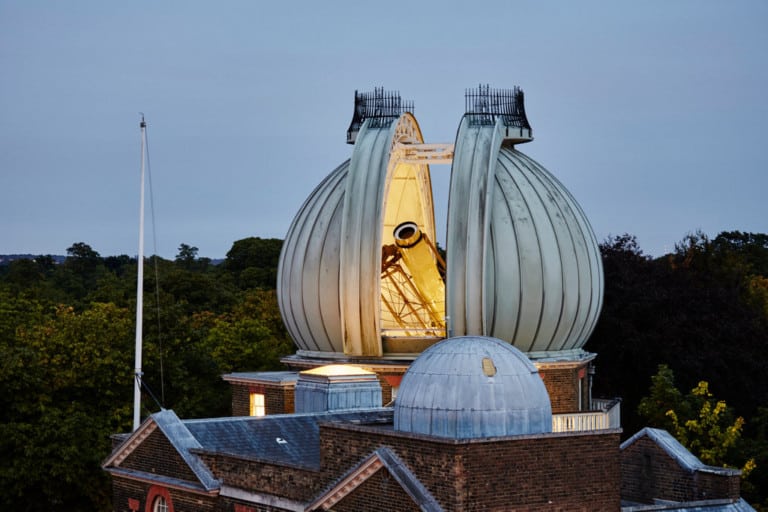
column 653, row 114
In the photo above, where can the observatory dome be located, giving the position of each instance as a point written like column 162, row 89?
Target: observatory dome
column 472, row 387
column 523, row 264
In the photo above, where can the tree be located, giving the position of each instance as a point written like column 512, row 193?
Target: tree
column 249, row 338
column 186, row 256
column 253, row 262
column 700, row 309
column 81, row 270
column 699, row 421
column 663, row 398
column 67, row 385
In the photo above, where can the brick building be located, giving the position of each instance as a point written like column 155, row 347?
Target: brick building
column 485, row 439
column 421, row 385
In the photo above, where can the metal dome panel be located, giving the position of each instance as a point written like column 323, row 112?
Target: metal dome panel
column 523, row 263
column 308, row 270
column 331, row 288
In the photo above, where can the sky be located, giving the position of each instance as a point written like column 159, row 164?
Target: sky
column 653, row 114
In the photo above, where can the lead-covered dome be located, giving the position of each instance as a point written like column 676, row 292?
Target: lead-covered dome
column 472, row 387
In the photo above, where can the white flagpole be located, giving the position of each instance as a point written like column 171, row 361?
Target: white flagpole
column 139, row 289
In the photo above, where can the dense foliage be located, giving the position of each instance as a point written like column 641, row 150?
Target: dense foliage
column 703, row 312
column 67, row 336
column 67, row 345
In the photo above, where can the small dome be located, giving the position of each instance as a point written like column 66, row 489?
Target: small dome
column 472, row 387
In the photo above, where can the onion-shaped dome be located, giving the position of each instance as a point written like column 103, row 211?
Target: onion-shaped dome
column 359, row 275
column 472, row 387
column 523, row 262
column 332, row 289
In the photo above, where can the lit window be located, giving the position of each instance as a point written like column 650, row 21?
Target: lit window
column 160, row 505
column 257, row 404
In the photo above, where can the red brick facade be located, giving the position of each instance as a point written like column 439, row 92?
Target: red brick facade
column 128, row 492
column 291, row 483
column 545, row 472
column 578, row 471
column 278, row 398
column 565, row 382
column 156, row 455
column 648, row 473
column 379, row 492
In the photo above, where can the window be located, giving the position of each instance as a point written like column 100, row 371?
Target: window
column 158, row 500
column 257, row 405
column 160, row 505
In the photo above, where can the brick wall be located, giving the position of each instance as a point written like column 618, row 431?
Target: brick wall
column 292, row 483
column 125, row 491
column 278, row 399
column 386, row 389
column 648, row 472
column 569, row 472
column 241, row 404
column 157, row 455
column 379, row 492
column 344, row 447
column 552, row 472
column 557, row 472
column 562, row 383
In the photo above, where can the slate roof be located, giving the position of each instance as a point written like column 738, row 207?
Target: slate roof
column 281, row 377
column 697, row 506
column 347, row 483
column 677, row 451
column 183, row 440
column 288, row 439
column 180, row 438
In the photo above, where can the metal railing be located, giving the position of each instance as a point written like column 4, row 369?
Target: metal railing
column 484, row 104
column 381, row 106
column 605, row 414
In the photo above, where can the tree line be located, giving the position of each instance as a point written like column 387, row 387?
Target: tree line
column 66, row 356
column 695, row 319
column 698, row 314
